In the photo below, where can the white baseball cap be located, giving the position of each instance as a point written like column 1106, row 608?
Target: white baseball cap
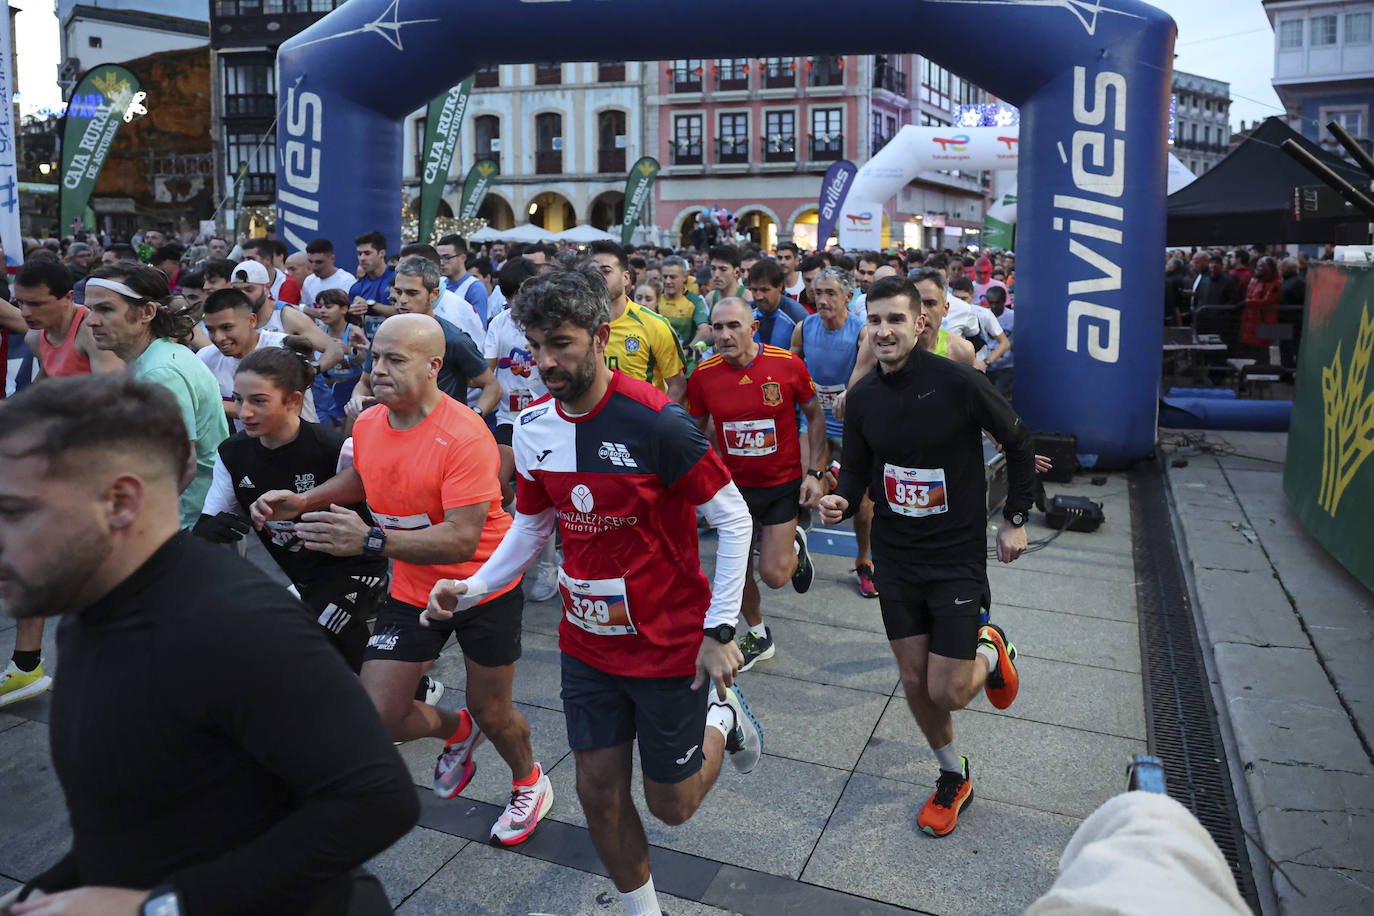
column 248, row 271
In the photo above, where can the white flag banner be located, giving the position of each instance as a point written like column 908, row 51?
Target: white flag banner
column 9, row 169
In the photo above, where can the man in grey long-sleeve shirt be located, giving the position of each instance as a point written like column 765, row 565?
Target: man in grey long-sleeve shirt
column 216, row 753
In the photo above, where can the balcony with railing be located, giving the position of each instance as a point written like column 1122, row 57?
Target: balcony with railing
column 778, row 148
column 259, row 184
column 825, row 71
column 487, row 78
column 779, row 72
column 731, row 76
column 732, row 150
column 686, row 152
column 685, row 79
column 610, row 160
column 250, row 105
column 611, row 72
column 827, row 147
column 548, row 162
column 548, row 74
column 887, row 76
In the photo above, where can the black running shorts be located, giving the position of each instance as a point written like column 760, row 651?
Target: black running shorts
column 343, row 604
column 503, row 433
column 773, row 505
column 665, row 713
column 943, row 602
column 489, row 634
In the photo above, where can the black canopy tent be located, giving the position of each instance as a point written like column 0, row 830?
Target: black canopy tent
column 1248, row 197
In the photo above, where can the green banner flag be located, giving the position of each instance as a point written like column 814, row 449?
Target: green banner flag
column 241, row 174
column 103, row 99
column 443, row 121
column 476, row 185
column 642, row 175
column 1328, row 475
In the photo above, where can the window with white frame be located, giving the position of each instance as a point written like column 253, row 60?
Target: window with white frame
column 1321, row 31
column 1290, row 34
column 1357, row 28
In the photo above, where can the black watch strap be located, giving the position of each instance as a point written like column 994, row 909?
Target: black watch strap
column 1016, row 518
column 817, row 475
column 375, row 541
column 723, row 633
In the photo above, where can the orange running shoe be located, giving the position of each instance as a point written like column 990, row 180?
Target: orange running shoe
column 1003, row 681
column 953, row 791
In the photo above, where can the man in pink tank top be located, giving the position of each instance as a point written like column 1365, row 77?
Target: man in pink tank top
column 58, row 334
column 57, row 325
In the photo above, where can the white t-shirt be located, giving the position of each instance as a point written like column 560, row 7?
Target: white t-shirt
column 458, row 311
column 223, row 368
column 988, row 325
column 795, row 291
column 496, row 301
column 313, row 285
column 960, row 318
column 515, row 369
column 1007, row 323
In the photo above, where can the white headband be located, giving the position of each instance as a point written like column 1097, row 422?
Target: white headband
column 113, row 286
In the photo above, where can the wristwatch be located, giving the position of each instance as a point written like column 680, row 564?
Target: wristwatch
column 818, row 475
column 723, row 634
column 1016, row 518
column 163, row 900
column 375, row 541
column 478, row 411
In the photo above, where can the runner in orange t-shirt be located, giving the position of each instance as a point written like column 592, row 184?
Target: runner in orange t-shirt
column 429, row 470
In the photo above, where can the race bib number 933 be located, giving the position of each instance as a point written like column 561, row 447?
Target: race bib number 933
column 915, row 492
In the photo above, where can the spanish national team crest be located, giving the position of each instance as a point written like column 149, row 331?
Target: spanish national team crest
column 772, row 394
column 631, row 344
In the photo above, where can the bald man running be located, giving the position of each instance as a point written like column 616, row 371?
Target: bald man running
column 429, row 470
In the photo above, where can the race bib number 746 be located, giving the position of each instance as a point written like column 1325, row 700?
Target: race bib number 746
column 915, row 492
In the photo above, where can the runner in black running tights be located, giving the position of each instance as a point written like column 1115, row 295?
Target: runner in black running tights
column 913, row 442
column 278, row 451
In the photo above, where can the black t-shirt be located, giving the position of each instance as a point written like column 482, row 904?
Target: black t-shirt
column 463, row 362
column 207, row 734
column 301, row 465
column 914, row 440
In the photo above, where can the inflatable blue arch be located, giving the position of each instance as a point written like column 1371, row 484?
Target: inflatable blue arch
column 1091, row 78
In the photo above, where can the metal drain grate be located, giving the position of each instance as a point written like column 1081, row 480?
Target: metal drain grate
column 1180, row 720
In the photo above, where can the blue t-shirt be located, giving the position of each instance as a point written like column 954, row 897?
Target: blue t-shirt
column 374, row 289
column 830, row 357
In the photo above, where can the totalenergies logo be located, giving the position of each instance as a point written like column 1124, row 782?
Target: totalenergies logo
column 858, row 220
column 955, row 144
column 1009, row 141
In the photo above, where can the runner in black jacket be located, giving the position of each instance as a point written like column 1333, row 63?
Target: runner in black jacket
column 913, row 442
column 278, row 451
column 216, row 754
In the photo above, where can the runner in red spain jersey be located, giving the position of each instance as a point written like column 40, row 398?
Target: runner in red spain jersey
column 622, row 468
column 751, row 392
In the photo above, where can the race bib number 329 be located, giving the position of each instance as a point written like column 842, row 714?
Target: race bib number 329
column 598, row 606
column 915, row 492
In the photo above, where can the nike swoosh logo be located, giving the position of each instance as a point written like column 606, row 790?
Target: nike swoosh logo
column 682, row 761
column 965, row 601
column 922, row 397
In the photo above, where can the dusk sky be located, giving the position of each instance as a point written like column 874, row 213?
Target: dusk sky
column 1223, row 39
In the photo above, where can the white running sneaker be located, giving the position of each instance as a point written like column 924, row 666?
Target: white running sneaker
column 431, row 690
column 745, row 741
column 546, row 583
column 455, row 766
column 528, row 805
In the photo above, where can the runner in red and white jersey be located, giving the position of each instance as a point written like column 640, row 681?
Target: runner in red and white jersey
column 751, row 392
column 622, row 468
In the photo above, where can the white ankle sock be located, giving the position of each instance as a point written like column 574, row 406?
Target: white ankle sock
column 948, row 759
column 720, row 717
column 760, row 631
column 990, row 654
column 642, row 901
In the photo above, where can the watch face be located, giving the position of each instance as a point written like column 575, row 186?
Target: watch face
column 1018, row 518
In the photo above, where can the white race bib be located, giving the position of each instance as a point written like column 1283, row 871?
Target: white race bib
column 598, row 606
column 828, row 395
column 519, row 399
column 401, row 522
column 750, row 437
column 915, row 492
